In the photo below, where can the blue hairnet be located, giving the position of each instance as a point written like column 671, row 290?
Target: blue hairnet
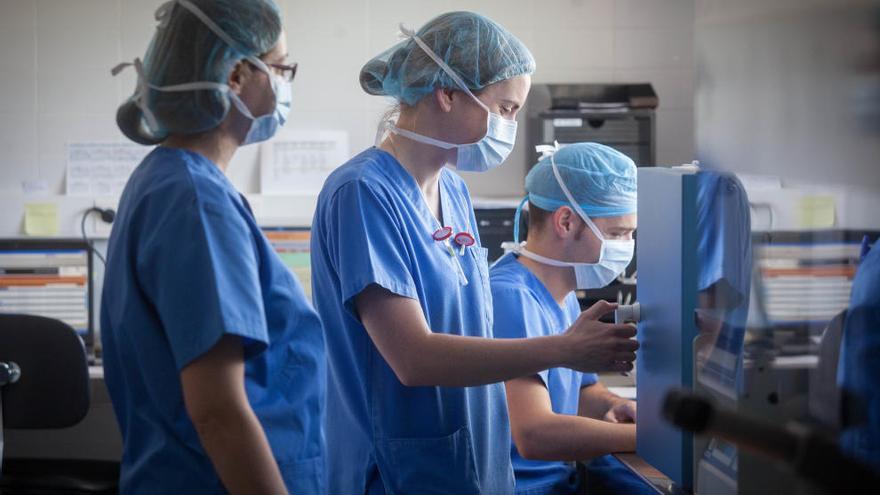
column 478, row 49
column 601, row 179
column 183, row 50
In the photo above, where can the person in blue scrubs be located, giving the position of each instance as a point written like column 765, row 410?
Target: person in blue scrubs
column 213, row 357
column 724, row 251
column 859, row 370
column 582, row 215
column 415, row 404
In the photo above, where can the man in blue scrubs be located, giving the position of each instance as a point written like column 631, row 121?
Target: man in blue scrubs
column 213, row 357
column 859, row 371
column 582, row 214
column 415, row 404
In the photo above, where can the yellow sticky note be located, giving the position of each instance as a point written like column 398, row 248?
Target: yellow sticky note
column 817, row 212
column 41, row 219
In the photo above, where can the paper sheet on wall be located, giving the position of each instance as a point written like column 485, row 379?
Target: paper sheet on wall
column 299, row 161
column 101, row 169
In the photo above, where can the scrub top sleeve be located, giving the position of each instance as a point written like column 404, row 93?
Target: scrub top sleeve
column 589, row 379
column 366, row 244
column 518, row 316
column 199, row 269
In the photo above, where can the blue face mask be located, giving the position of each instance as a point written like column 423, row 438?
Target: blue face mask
column 265, row 126
column 480, row 156
column 261, row 128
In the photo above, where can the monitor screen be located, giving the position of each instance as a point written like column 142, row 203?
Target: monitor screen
column 293, row 246
column 48, row 277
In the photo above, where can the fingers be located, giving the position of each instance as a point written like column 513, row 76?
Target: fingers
column 627, row 345
column 625, row 412
column 625, row 357
column 621, row 366
column 626, row 331
column 598, row 310
column 610, row 417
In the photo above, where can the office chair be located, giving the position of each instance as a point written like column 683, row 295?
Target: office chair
column 44, row 384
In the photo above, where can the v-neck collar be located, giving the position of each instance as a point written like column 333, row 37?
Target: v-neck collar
column 539, row 286
column 416, row 196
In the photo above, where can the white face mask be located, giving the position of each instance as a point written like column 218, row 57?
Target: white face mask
column 261, row 128
column 614, row 255
column 480, row 156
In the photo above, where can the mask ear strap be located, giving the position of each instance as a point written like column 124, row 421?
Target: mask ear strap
column 420, row 138
column 211, row 25
column 443, row 65
column 140, row 95
column 516, row 219
column 576, row 207
column 164, row 11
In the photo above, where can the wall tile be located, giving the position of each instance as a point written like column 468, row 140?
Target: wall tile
column 653, row 48
column 654, row 13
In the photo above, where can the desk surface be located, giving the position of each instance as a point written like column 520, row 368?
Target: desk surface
column 651, row 476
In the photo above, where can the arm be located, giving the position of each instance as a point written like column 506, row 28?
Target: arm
column 420, row 357
column 598, row 402
column 541, row 434
column 214, row 394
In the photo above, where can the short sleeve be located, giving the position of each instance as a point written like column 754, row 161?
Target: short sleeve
column 724, row 229
column 589, row 379
column 197, row 263
column 366, row 243
column 517, row 316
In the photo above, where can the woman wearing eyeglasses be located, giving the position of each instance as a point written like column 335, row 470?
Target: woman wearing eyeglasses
column 213, row 357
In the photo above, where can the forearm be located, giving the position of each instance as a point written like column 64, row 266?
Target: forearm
column 562, row 437
column 456, row 361
column 595, row 400
column 236, row 444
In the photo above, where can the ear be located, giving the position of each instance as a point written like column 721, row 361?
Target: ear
column 564, row 222
column 238, row 76
column 443, row 98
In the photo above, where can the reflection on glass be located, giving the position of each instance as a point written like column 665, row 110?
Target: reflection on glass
column 725, row 264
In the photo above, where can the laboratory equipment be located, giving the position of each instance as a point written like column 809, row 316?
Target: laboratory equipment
column 51, row 278
column 667, row 291
column 618, row 115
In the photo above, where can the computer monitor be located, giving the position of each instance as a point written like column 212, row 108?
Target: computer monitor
column 293, row 245
column 51, row 278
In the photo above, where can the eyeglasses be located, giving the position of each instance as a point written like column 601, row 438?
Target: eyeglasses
column 287, row 72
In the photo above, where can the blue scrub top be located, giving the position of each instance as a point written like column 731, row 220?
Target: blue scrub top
column 187, row 264
column 724, row 253
column 372, row 226
column 859, row 371
column 525, row 308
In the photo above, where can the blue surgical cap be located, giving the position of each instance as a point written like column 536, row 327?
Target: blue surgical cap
column 184, row 50
column 601, row 179
column 478, row 49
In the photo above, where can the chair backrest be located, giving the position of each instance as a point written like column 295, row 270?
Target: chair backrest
column 53, row 390
column 824, row 393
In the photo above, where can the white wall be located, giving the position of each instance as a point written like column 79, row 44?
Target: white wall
column 56, row 57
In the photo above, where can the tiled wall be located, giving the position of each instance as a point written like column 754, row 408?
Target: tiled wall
column 56, row 57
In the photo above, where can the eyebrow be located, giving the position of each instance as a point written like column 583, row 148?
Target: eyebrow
column 281, row 58
column 512, row 103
